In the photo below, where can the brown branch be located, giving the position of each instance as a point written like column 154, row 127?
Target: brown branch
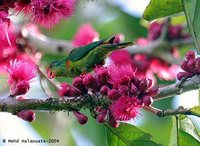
column 13, row 105
column 177, row 88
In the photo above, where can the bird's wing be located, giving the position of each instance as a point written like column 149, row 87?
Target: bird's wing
column 80, row 52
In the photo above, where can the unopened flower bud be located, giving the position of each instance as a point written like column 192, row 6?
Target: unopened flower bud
column 143, row 85
column 81, row 118
column 147, row 100
column 104, row 90
column 90, row 82
column 102, row 116
column 185, row 67
column 197, row 64
column 101, row 75
column 68, row 90
column 154, row 31
column 174, row 32
column 153, row 92
column 190, row 55
column 181, row 75
column 78, row 83
column 123, row 89
column 192, row 66
column 136, row 82
column 125, row 80
column 113, row 94
column 112, row 122
column 26, row 115
column 134, row 90
column 21, row 87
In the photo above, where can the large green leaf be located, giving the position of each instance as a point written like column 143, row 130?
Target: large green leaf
column 192, row 12
column 161, row 8
column 184, row 132
column 195, row 110
column 186, row 124
column 128, row 135
column 186, row 139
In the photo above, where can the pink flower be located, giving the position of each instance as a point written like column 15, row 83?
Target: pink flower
column 20, row 73
column 85, row 35
column 163, row 70
column 120, row 57
column 125, row 108
column 48, row 13
column 118, row 72
column 4, row 20
column 23, row 6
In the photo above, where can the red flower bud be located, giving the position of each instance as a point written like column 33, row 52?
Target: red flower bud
column 181, row 75
column 26, row 115
column 197, row 64
column 125, row 80
column 104, row 90
column 136, row 82
column 190, row 55
column 112, row 122
column 102, row 116
column 81, row 118
column 113, row 94
column 90, row 82
column 101, row 75
column 123, row 89
column 143, row 86
column 153, row 92
column 174, row 32
column 21, row 87
column 68, row 90
column 78, row 83
column 134, row 90
column 147, row 100
column 192, row 66
column 185, row 67
column 154, row 31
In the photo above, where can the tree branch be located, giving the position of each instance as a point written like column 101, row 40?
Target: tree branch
column 192, row 83
column 13, row 105
column 44, row 43
column 169, row 112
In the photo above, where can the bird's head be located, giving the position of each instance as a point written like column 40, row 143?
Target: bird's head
column 54, row 69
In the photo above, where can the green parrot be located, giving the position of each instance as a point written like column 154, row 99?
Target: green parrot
column 83, row 59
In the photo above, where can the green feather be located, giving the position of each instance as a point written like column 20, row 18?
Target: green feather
column 78, row 53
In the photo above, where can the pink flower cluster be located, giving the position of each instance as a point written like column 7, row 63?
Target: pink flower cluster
column 191, row 66
column 45, row 12
column 173, row 31
column 147, row 65
column 117, row 84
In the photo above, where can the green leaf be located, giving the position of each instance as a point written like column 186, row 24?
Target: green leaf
column 184, row 132
column 195, row 110
column 128, row 135
column 192, row 13
column 161, row 8
column 186, row 124
column 186, row 139
column 173, row 138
